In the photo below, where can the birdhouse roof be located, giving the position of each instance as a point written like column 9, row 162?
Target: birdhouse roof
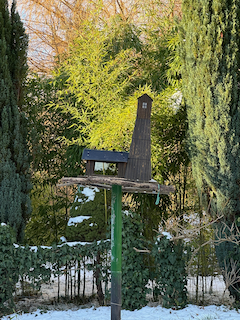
column 145, row 95
column 104, row 156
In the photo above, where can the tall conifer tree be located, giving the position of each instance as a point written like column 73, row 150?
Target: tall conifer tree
column 15, row 184
column 211, row 78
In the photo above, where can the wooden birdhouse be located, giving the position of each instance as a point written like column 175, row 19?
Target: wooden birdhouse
column 139, row 159
column 134, row 175
column 92, row 156
column 135, row 165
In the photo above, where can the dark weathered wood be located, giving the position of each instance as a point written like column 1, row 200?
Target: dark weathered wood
column 141, row 149
column 144, row 107
column 92, row 156
column 139, row 160
column 90, row 167
column 121, row 169
column 139, row 170
column 128, row 186
column 143, row 129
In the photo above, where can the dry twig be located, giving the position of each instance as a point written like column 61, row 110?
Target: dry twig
column 231, row 276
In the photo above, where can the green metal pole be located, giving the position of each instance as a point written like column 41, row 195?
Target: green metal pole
column 116, row 252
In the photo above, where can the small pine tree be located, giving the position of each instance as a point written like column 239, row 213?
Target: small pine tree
column 15, row 184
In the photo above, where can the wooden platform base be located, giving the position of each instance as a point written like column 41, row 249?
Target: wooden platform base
column 106, row 182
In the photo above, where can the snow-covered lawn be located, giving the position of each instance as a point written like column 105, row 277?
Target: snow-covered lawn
column 146, row 313
column 211, row 312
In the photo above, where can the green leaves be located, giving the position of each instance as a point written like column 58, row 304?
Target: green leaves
column 170, row 273
column 210, row 71
column 172, row 259
column 95, row 227
column 37, row 264
column 135, row 272
column 9, row 270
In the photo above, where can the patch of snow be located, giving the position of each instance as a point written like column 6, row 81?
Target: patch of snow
column 167, row 234
column 63, row 239
column 35, row 248
column 126, row 212
column 70, row 244
column 79, row 219
column 92, row 224
column 90, row 193
column 146, row 313
column 74, row 243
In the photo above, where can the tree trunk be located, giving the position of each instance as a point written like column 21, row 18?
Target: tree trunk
column 100, row 294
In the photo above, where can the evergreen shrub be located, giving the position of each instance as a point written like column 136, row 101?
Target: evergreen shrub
column 9, row 270
column 209, row 53
column 135, row 273
column 37, row 264
column 34, row 265
column 170, row 277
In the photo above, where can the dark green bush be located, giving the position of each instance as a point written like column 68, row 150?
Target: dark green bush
column 9, row 269
column 171, row 277
column 36, row 264
column 135, row 273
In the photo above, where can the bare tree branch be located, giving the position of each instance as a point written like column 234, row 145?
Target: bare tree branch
column 231, row 276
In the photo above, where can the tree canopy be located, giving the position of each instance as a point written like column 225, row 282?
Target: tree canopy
column 53, row 24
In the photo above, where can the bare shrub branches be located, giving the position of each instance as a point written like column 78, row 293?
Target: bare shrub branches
column 231, row 276
column 191, row 230
column 228, row 233
column 181, row 231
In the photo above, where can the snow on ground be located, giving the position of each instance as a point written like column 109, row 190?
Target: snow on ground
column 146, row 313
column 211, row 312
column 213, row 295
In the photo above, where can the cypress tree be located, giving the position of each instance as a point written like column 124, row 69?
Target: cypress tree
column 15, row 184
column 210, row 52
